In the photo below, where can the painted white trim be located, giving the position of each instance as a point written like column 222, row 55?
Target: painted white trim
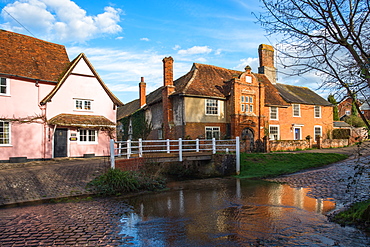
column 314, row 132
column 10, row 135
column 216, row 127
column 277, row 113
column 7, row 87
column 300, row 133
column 83, row 105
column 299, row 112
column 87, row 142
column 314, row 111
column 218, row 108
column 278, row 128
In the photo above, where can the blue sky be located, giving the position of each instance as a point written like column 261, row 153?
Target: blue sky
column 126, row 39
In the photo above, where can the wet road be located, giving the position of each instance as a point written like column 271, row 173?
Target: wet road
column 212, row 212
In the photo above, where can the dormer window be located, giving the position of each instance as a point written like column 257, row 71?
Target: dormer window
column 83, row 105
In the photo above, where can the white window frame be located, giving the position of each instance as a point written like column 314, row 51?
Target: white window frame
column 300, row 133
column 271, row 113
column 348, row 112
column 317, row 111
column 294, row 110
column 314, row 131
column 212, row 129
column 248, row 79
column 7, row 86
column 84, row 102
column 278, row 132
column 212, row 106
column 88, row 135
column 9, row 134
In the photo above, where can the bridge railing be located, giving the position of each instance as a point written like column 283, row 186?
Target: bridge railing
column 129, row 148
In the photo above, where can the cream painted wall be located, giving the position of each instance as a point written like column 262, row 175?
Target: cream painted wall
column 195, row 111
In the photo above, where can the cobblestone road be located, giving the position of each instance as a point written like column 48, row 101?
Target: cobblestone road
column 35, row 181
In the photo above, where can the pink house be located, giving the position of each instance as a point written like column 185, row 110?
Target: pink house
column 51, row 107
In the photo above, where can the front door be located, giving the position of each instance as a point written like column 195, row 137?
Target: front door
column 297, row 133
column 60, row 143
column 248, row 136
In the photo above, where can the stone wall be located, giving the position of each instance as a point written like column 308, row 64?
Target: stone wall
column 334, row 143
column 292, row 145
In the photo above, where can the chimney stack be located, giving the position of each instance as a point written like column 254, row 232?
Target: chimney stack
column 167, row 71
column 142, row 92
column 267, row 66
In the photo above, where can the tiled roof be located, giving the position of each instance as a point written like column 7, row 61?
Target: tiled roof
column 72, row 65
column 134, row 105
column 32, row 58
column 365, row 107
column 84, row 121
column 204, row 80
column 272, row 95
column 209, row 81
column 300, row 95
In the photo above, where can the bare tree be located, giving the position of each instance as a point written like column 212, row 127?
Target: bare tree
column 328, row 37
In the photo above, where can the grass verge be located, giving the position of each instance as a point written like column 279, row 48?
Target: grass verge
column 358, row 214
column 275, row 164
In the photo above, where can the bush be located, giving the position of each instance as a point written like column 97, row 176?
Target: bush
column 116, row 182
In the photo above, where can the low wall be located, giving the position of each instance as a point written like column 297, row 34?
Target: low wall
column 334, row 143
column 288, row 145
column 292, row 145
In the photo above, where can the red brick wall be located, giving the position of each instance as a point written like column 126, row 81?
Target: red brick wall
column 133, row 164
column 198, row 130
column 307, row 121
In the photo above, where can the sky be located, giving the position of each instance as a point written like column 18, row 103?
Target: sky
column 126, row 40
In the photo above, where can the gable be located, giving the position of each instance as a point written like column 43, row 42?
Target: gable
column 31, row 58
column 81, row 64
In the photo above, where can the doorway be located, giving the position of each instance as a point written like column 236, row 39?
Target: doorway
column 297, row 133
column 60, row 143
column 248, row 137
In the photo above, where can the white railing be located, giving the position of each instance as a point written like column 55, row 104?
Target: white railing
column 128, row 149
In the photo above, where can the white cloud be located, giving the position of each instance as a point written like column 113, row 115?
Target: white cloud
column 144, row 39
column 176, row 47
column 195, row 50
column 61, row 20
column 121, row 70
column 119, row 38
column 253, row 62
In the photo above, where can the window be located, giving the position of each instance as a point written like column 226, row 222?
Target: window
column 274, row 113
column 160, row 134
column 4, row 133
column 4, row 87
column 211, row 107
column 274, row 132
column 318, row 132
column 317, row 111
column 296, row 110
column 212, row 132
column 88, row 136
column 83, row 105
column 246, row 103
column 248, row 79
column 348, row 113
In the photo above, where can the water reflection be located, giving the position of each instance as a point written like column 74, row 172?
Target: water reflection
column 233, row 212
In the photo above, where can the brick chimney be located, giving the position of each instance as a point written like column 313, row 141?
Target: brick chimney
column 267, row 66
column 168, row 71
column 168, row 89
column 142, row 92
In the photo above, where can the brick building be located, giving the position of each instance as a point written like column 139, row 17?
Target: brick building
column 210, row 101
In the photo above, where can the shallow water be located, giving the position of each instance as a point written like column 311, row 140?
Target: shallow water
column 209, row 212
column 233, row 212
